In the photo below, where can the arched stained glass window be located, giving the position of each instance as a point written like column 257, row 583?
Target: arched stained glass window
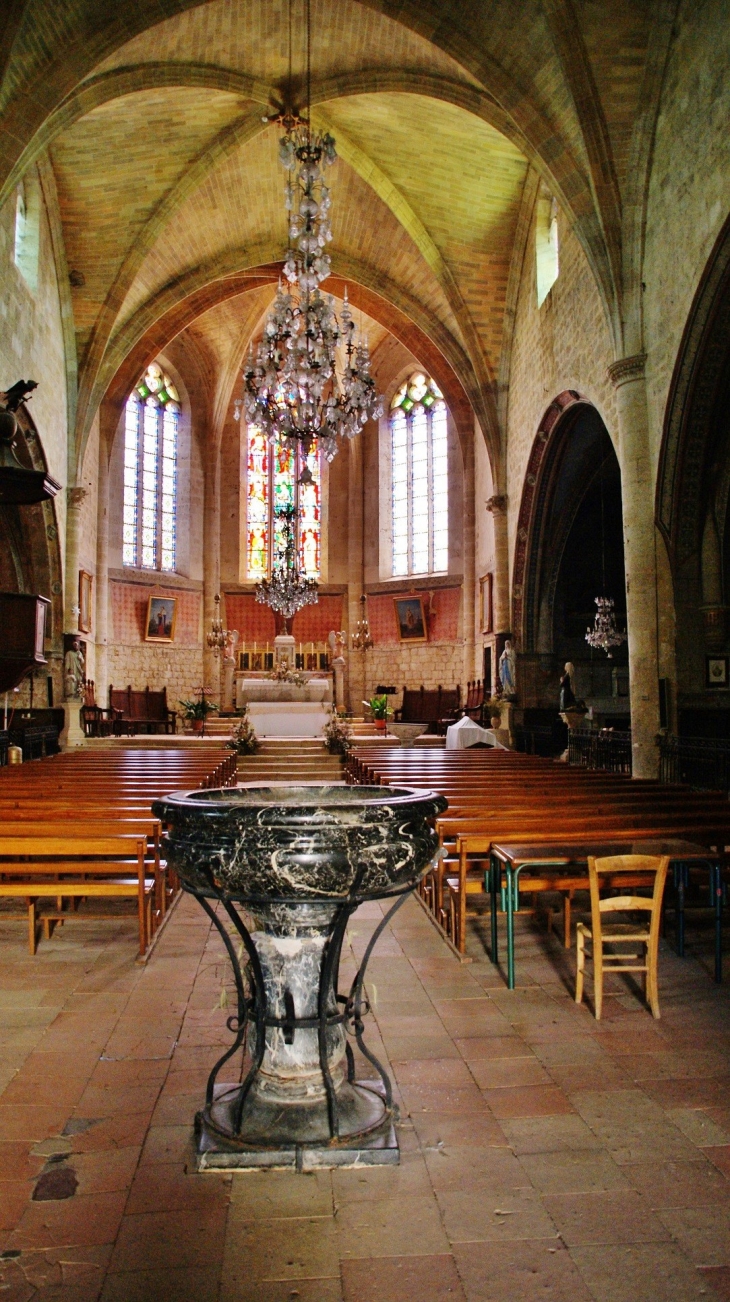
column 279, row 477
column 420, row 479
column 150, row 472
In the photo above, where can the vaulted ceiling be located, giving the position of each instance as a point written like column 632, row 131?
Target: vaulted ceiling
column 155, row 120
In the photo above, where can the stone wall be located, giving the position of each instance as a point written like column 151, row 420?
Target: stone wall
column 565, row 344
column 689, row 189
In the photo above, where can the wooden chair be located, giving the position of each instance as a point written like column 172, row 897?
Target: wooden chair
column 601, row 935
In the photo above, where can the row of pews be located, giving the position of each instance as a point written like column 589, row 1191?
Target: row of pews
column 499, row 800
column 78, row 828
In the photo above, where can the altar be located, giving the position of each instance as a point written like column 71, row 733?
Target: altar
column 281, row 709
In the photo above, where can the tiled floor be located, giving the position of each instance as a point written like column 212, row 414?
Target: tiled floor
column 544, row 1155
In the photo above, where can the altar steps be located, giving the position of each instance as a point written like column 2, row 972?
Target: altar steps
column 295, row 760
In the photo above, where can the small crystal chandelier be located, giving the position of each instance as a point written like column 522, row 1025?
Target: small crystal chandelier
column 604, row 635
column 287, row 591
column 292, row 388
column 218, row 635
column 361, row 639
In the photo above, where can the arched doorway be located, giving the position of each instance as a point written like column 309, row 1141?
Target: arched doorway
column 693, row 502
column 572, row 533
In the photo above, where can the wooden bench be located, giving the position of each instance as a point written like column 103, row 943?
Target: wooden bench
column 142, row 711
column 112, row 867
column 428, row 707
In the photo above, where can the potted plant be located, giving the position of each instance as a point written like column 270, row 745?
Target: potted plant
column 197, row 712
column 380, row 710
column 493, row 708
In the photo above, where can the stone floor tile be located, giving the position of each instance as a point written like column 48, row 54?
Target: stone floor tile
column 703, row 1233
column 561, row 1133
column 188, row 1285
column 720, row 1157
column 290, row 1249
column 105, row 1171
column 477, row 1129
column 431, row 1098
column 514, row 1214
column 437, row 1072
column 275, row 1195
column 481, row 1047
column 621, row 1216
column 679, row 1184
column 123, row 1131
column 500, row 1073
column 400, row 1227
column 168, row 1144
column 718, row 1277
column 527, row 1101
column 403, row 1048
column 410, row 1179
column 651, row 1272
column 237, row 1288
column 158, row 1240
column 14, row 1198
column 576, row 1171
column 89, row 1221
column 399, row 1279
column 484, row 1170
column 166, row 1187
column 507, row 1271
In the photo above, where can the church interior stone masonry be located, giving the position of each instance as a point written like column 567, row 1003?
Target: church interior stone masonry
column 509, row 280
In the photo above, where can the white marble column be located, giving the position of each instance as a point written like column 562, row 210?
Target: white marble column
column 637, row 492
column 356, row 662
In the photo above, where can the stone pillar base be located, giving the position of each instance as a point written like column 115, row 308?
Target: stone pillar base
column 72, row 733
column 338, row 666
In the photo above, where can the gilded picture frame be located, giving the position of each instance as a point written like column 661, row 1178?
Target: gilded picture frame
column 161, row 618
column 410, row 617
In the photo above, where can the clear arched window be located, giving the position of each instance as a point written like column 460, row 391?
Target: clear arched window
column 420, row 478
column 277, row 477
column 150, row 472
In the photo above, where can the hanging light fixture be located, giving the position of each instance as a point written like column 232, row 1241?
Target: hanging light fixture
column 218, row 635
column 604, row 635
column 293, row 389
column 287, row 591
column 361, row 639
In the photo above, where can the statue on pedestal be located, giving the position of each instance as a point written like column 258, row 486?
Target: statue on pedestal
column 508, row 671
column 567, row 695
column 74, row 671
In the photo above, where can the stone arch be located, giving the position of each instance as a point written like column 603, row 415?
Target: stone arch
column 693, row 482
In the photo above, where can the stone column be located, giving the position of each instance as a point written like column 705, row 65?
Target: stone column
column 497, row 505
column 101, row 610
column 74, row 498
column 470, row 596
column 72, row 733
column 211, row 665
column 356, row 661
column 637, row 491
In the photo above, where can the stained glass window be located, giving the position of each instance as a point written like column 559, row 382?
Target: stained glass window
column 150, row 472
column 419, row 478
column 273, row 476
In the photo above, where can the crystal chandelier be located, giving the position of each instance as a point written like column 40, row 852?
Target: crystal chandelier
column 287, row 591
column 218, row 635
column 293, row 389
column 604, row 635
column 361, row 639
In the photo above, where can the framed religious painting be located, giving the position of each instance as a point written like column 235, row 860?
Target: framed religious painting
column 161, row 612
column 85, row 584
column 717, row 672
column 486, row 603
column 411, row 619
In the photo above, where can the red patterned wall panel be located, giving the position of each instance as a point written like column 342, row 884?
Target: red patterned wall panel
column 443, row 625
column 256, row 623
column 129, row 604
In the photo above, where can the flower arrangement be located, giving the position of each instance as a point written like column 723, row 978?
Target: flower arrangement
column 337, row 734
column 243, row 739
column 283, row 674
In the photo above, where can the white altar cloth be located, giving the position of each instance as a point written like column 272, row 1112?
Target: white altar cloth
column 265, row 689
column 467, row 733
column 288, row 718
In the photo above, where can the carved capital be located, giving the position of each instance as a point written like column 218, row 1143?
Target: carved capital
column 497, row 504
column 75, row 496
column 627, row 369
